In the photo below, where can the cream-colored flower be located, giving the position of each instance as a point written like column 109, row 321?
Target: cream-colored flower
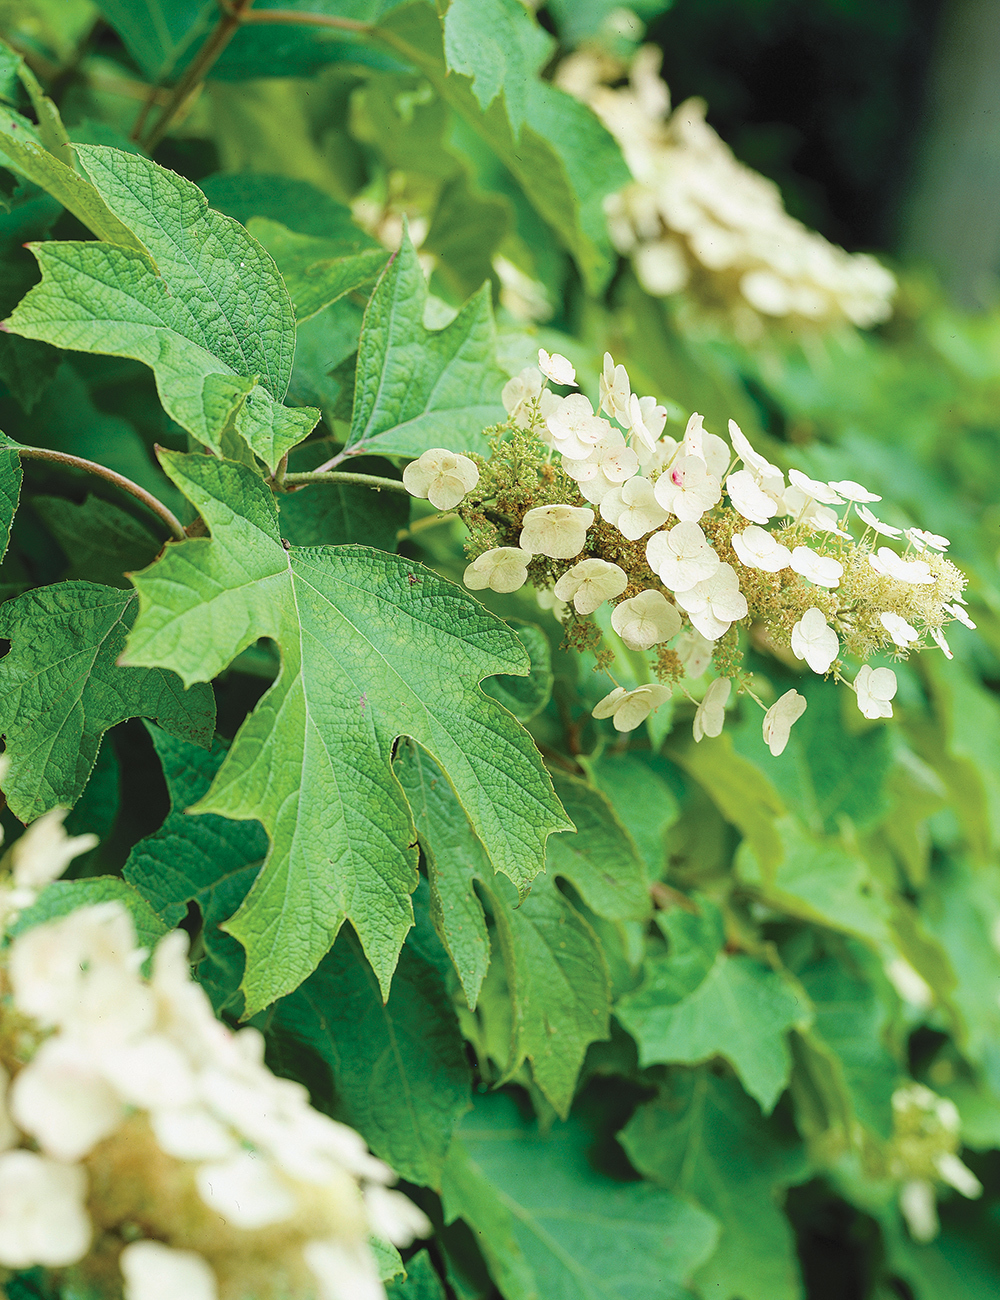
column 884, row 530
column 43, row 1216
column 63, row 1101
column 444, row 478
column 939, row 637
column 153, row 1271
column 681, row 557
column 633, row 508
column 813, row 489
column 779, row 718
column 694, row 651
column 752, row 502
column 615, row 391
column 752, row 459
column 923, row 540
column 645, row 423
column 505, row 568
column 645, row 620
column 958, row 611
column 889, row 564
column 574, row 428
column 610, row 462
column 44, row 851
column 815, row 641
column 590, row 583
column 852, row 491
column 715, row 603
column 343, row 1271
column 394, row 1217
column 627, row 709
column 758, row 549
column 518, row 394
column 822, row 570
column 687, row 489
column 710, row 716
column 559, row 532
column 901, row 632
column 556, row 367
column 958, row 1175
column 918, row 1206
column 875, row 688
column 246, row 1191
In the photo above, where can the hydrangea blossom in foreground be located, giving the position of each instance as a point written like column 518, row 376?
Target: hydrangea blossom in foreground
column 131, row 1108
column 691, row 540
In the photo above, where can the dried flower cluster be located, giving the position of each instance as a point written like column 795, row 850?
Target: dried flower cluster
column 688, row 540
column 147, row 1150
column 697, row 219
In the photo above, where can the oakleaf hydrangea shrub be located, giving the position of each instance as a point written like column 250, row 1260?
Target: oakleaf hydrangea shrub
column 688, row 541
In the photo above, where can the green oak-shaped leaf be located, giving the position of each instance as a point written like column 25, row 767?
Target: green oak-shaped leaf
column 318, row 271
column 697, row 1002
column 372, row 647
column 557, row 974
column 418, row 388
column 553, row 1228
column 703, row 1138
column 212, row 318
column 399, row 1068
column 61, row 689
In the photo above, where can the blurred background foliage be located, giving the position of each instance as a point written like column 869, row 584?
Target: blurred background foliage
column 861, row 868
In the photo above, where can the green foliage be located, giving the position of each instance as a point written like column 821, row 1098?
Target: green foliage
column 61, row 689
column 351, row 681
column 417, row 388
column 628, row 1011
column 536, row 1201
column 226, row 362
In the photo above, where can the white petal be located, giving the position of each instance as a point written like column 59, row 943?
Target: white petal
column 153, row 1271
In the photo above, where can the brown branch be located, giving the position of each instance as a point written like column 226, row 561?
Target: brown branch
column 300, row 18
column 229, row 23
column 109, row 476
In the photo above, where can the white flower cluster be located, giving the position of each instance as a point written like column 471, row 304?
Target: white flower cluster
column 702, row 534
column 924, row 1151
column 695, row 218
column 138, row 1129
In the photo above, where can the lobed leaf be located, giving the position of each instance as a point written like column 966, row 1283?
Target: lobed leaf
column 373, row 647
column 418, row 388
column 212, row 318
column 61, row 689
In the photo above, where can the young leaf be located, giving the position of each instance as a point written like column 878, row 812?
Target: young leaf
column 373, row 647
column 213, row 320
column 705, row 1139
column 316, row 271
column 61, row 689
column 418, row 388
column 550, row 1225
column 698, row 1002
column 398, row 1067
